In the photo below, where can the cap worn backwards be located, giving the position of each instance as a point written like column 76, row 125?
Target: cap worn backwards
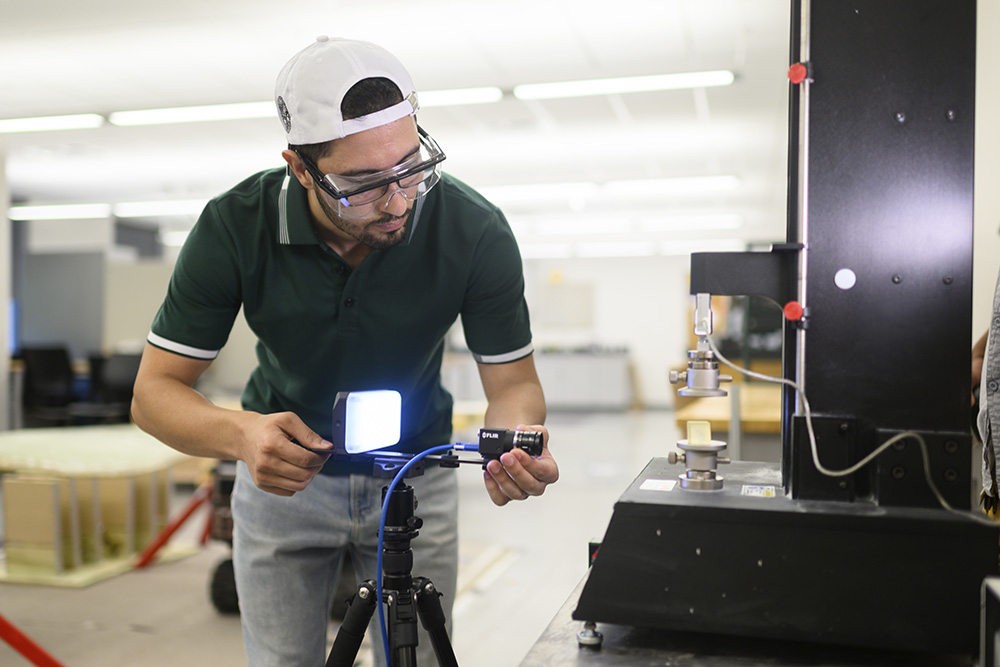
column 312, row 85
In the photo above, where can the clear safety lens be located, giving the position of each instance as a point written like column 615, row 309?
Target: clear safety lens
column 414, row 177
column 411, row 187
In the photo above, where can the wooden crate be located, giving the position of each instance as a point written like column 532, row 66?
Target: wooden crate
column 41, row 521
column 55, row 525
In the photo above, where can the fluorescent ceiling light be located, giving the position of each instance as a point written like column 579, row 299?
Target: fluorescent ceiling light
column 196, row 114
column 690, row 223
column 584, row 225
column 157, row 209
column 48, row 123
column 629, row 84
column 579, row 190
column 626, row 249
column 460, row 96
column 431, row 98
column 709, row 245
column 213, row 112
column 60, row 212
column 616, row 249
column 682, row 185
column 531, row 192
column 139, row 209
column 546, row 251
column 250, row 110
column 579, row 225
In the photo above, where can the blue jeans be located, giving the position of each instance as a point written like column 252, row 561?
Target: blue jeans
column 287, row 553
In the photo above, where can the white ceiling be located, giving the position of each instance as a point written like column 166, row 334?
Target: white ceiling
column 64, row 57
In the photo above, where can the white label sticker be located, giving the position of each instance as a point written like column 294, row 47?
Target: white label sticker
column 759, row 491
column 658, row 485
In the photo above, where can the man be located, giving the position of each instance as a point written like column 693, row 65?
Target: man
column 350, row 269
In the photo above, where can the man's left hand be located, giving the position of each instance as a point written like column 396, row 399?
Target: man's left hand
column 516, row 475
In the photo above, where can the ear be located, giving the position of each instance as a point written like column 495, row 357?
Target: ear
column 297, row 168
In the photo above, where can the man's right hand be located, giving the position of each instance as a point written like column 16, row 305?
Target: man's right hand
column 277, row 462
column 165, row 405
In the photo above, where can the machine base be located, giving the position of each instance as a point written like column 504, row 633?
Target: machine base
column 749, row 561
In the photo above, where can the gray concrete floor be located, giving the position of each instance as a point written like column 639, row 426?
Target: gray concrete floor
column 519, row 564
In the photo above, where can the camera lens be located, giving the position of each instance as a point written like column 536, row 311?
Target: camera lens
column 529, row 441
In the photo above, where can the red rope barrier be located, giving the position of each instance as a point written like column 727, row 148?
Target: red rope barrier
column 24, row 645
column 146, row 556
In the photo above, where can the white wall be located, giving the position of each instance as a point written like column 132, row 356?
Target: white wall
column 640, row 303
column 133, row 292
column 986, row 262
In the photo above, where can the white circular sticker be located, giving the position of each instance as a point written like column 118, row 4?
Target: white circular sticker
column 845, row 279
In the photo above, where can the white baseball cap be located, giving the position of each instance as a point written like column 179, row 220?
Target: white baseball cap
column 312, row 85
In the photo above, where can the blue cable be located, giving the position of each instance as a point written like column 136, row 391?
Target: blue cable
column 381, row 534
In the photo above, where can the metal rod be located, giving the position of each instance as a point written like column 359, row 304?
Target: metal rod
column 803, row 196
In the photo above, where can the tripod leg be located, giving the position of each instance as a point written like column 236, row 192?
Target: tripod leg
column 352, row 630
column 433, row 620
column 402, row 627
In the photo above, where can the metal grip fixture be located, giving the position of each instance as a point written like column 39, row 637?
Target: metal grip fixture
column 702, row 375
column 700, row 455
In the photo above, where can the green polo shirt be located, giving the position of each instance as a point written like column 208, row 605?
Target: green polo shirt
column 323, row 328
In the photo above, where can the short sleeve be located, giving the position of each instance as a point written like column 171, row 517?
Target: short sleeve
column 203, row 297
column 494, row 314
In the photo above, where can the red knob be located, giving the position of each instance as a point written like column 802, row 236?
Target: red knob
column 798, row 73
column 793, row 311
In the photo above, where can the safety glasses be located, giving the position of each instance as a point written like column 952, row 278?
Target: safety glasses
column 414, row 177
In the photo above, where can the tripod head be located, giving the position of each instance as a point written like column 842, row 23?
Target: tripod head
column 401, row 527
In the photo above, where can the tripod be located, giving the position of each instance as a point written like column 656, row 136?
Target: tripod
column 405, row 597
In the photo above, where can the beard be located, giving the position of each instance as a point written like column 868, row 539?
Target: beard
column 366, row 231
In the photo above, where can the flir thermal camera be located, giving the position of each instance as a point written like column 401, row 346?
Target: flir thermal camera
column 495, row 441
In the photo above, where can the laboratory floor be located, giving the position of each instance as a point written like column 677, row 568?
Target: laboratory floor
column 518, row 565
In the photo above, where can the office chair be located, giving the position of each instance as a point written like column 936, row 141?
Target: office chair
column 50, row 398
column 48, row 386
column 112, row 379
